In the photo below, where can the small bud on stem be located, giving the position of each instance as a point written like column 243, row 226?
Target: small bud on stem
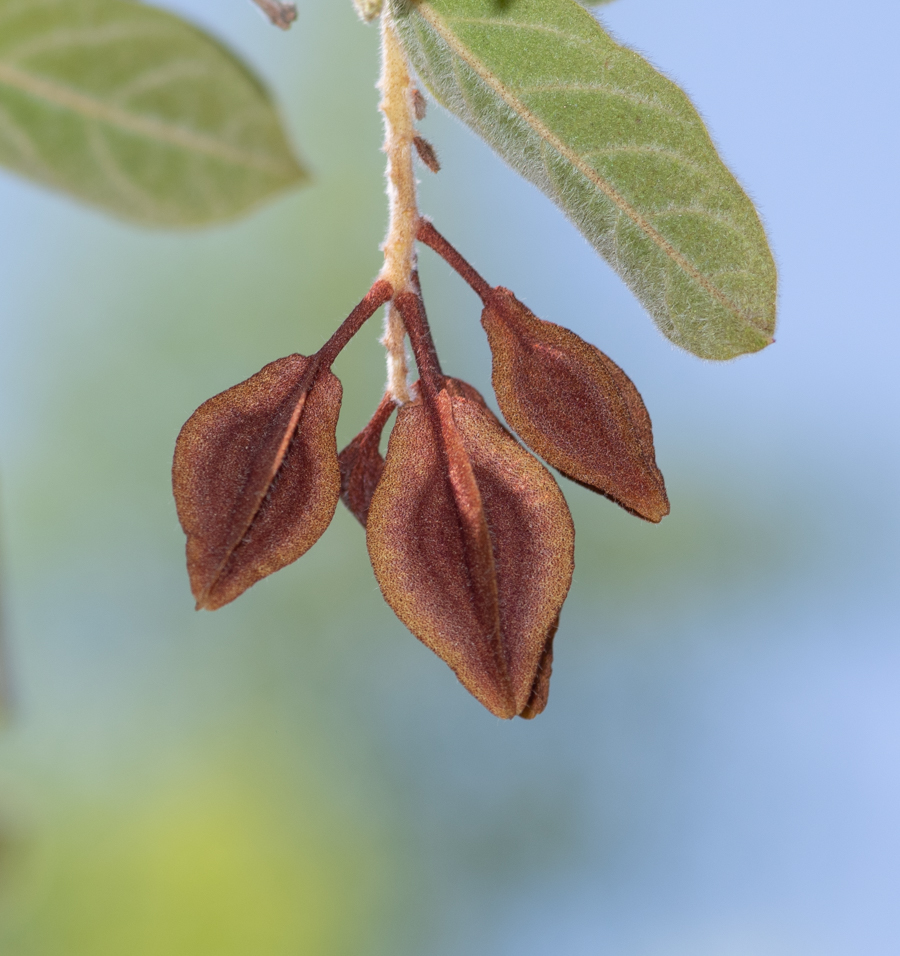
column 281, row 14
column 427, row 154
column 420, row 104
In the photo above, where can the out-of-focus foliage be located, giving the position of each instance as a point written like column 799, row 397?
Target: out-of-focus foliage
column 221, row 865
column 134, row 110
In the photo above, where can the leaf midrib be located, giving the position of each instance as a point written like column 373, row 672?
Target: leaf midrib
column 440, row 26
column 90, row 108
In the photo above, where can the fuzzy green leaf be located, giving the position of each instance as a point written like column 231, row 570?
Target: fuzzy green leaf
column 134, row 110
column 617, row 146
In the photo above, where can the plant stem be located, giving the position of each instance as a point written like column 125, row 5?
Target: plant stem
column 380, row 292
column 397, row 105
column 434, row 240
column 412, row 309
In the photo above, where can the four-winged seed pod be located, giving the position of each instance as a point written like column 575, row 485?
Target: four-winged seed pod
column 564, row 398
column 473, row 546
column 574, row 406
column 256, row 476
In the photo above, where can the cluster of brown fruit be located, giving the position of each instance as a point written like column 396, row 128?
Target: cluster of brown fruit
column 469, row 535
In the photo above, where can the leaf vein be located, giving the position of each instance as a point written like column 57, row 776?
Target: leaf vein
column 679, row 158
column 18, row 138
column 91, row 108
column 519, row 25
column 156, row 77
column 69, row 38
column 130, row 192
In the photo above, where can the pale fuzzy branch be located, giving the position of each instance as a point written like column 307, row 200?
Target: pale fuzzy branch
column 397, row 105
column 281, row 14
column 399, row 133
column 394, row 341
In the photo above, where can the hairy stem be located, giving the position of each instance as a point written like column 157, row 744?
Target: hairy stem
column 412, row 309
column 432, row 238
column 394, row 342
column 397, row 105
column 380, row 292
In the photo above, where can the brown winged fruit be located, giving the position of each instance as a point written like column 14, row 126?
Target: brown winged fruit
column 256, row 476
column 472, row 544
column 573, row 405
column 362, row 464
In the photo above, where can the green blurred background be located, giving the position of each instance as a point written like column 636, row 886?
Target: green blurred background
column 717, row 770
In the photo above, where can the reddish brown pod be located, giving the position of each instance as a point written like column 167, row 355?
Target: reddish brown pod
column 256, row 476
column 573, row 405
column 472, row 544
column 362, row 464
column 540, row 689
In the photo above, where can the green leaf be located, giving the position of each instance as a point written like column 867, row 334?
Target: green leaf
column 136, row 111
column 617, row 146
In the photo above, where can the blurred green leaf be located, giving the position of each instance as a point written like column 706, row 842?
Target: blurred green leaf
column 617, row 146
column 214, row 867
column 5, row 679
column 136, row 111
